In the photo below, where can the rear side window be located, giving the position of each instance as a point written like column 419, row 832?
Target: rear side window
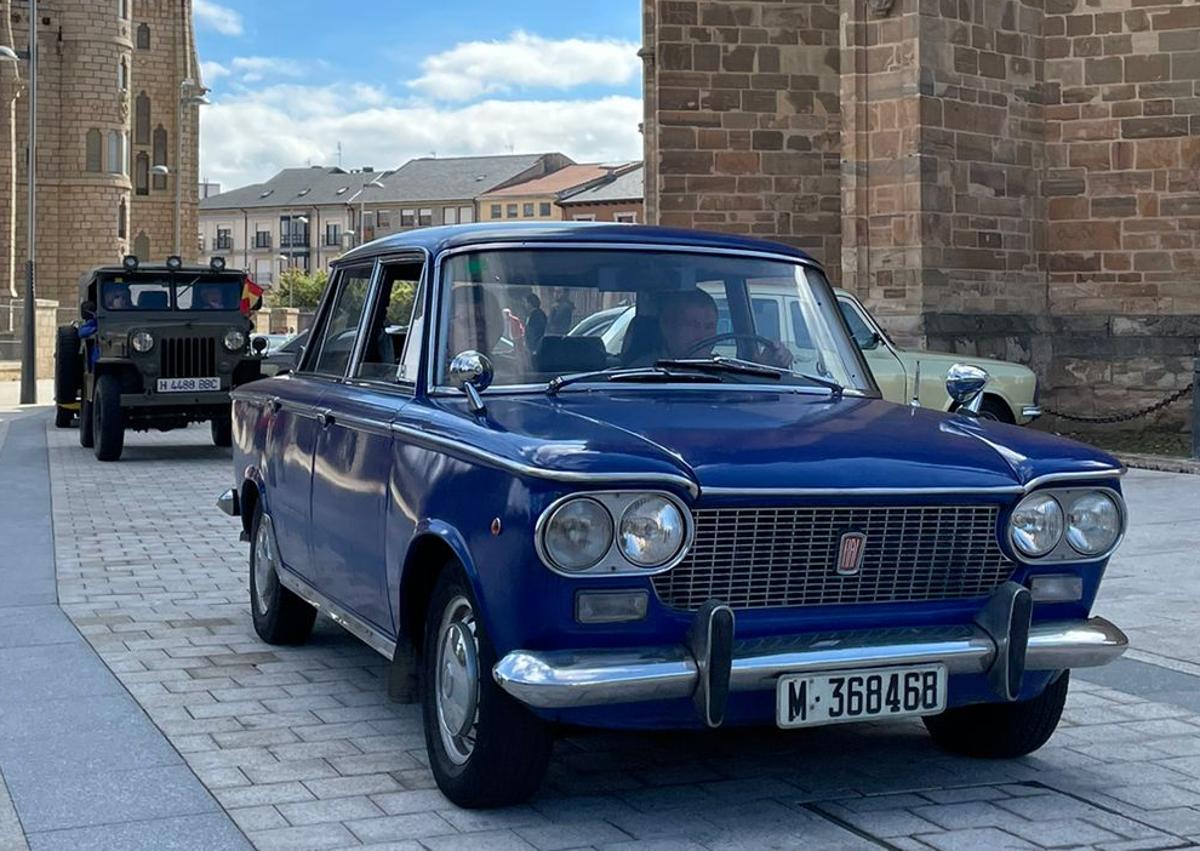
column 334, row 341
column 391, row 329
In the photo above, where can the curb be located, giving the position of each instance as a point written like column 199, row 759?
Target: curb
column 1161, row 463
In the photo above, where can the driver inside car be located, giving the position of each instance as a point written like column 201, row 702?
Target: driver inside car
column 687, row 328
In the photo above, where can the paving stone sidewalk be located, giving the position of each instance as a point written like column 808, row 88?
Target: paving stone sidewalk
column 303, row 749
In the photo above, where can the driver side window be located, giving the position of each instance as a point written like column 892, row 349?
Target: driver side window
column 391, row 322
column 864, row 335
column 335, row 341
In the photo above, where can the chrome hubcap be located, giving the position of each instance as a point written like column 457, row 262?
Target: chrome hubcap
column 264, row 568
column 457, row 688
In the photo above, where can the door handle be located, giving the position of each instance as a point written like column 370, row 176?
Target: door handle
column 325, row 418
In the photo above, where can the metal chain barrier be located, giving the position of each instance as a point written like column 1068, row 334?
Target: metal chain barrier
column 1123, row 418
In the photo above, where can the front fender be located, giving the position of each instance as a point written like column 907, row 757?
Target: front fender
column 432, row 540
column 252, row 478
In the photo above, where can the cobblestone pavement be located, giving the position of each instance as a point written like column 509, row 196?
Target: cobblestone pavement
column 303, row 749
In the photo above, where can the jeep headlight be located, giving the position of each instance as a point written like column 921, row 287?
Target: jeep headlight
column 578, row 534
column 1036, row 525
column 1093, row 523
column 141, row 341
column 651, row 531
column 235, row 340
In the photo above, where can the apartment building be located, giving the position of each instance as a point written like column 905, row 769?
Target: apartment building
column 618, row 198
column 538, row 198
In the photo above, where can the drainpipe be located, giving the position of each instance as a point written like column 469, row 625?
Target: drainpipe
column 6, row 38
column 246, row 243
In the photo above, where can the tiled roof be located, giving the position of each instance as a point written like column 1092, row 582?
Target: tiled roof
column 451, row 178
column 563, row 180
column 295, row 187
column 627, row 186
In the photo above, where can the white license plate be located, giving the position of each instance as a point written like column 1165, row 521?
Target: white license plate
column 837, row 697
column 188, row 385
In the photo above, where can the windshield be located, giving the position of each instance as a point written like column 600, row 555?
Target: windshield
column 172, row 293
column 531, row 312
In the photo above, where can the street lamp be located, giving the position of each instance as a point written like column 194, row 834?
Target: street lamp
column 29, row 343
column 362, row 206
column 191, row 93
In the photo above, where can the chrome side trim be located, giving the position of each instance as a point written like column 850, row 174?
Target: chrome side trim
column 1078, row 475
column 999, row 489
column 354, row 625
column 562, row 679
column 382, row 428
column 461, row 450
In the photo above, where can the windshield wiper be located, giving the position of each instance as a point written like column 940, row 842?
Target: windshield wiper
column 718, row 363
column 655, row 373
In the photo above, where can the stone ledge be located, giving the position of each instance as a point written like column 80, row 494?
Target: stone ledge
column 1162, row 463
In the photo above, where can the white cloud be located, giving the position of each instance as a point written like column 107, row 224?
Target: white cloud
column 217, row 17
column 213, row 71
column 255, row 69
column 476, row 68
column 248, row 136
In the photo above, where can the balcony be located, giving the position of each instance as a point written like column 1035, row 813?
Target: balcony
column 294, row 241
column 262, row 240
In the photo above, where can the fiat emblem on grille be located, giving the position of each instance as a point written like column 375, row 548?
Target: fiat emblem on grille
column 851, row 549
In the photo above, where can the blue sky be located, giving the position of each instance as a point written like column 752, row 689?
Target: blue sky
column 394, row 80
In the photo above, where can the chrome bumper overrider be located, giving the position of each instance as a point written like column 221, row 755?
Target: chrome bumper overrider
column 1031, row 412
column 559, row 679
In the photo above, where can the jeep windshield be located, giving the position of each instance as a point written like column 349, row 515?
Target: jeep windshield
column 188, row 292
column 736, row 319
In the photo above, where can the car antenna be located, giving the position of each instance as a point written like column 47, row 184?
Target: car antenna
column 916, row 396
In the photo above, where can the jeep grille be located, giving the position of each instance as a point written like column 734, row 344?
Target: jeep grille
column 771, row 557
column 189, row 357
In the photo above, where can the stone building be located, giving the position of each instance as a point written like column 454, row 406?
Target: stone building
column 111, row 95
column 1016, row 178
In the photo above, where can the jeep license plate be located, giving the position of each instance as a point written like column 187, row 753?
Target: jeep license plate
column 188, row 385
column 838, row 697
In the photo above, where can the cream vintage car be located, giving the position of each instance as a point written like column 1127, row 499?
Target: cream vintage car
column 1011, row 394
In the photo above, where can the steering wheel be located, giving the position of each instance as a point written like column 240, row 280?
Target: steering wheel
column 765, row 344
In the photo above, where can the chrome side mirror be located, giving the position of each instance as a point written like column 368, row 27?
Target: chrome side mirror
column 472, row 373
column 964, row 384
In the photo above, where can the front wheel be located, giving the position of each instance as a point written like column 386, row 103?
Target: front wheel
column 1001, row 730
column 87, row 423
column 280, row 617
column 485, row 748
column 108, row 423
column 222, row 431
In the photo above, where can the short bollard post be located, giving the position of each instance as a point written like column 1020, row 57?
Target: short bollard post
column 1196, row 410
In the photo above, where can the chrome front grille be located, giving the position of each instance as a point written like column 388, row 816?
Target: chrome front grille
column 754, row 558
column 189, row 357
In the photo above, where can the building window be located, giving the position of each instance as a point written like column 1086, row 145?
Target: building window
column 143, row 37
column 141, row 247
column 425, row 218
column 141, row 119
column 449, row 215
column 123, row 76
column 94, row 157
column 545, row 210
column 496, row 211
column 626, row 218
column 141, row 174
column 512, row 211
column 584, row 218
column 262, row 239
column 333, row 235
column 293, row 233
column 527, row 211
column 160, row 155
column 466, row 215
column 116, row 152
column 224, row 240
column 122, row 215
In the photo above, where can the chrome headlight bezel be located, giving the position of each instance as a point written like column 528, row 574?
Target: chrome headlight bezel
column 1064, row 551
column 614, row 562
column 141, row 341
column 238, row 338
column 1048, row 500
column 1072, row 527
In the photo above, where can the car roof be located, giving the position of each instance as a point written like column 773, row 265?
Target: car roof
column 439, row 239
column 91, row 274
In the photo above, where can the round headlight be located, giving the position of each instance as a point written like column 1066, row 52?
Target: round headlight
column 1093, row 523
column 142, row 341
column 578, row 534
column 1037, row 525
column 235, row 340
column 651, row 531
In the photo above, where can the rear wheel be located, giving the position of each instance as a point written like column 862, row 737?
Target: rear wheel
column 1001, row 730
column 280, row 617
column 222, row 431
column 108, row 423
column 485, row 748
column 68, row 374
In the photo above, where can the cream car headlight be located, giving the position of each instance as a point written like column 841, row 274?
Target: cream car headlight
column 1093, row 524
column 578, row 534
column 235, row 340
column 141, row 341
column 651, row 531
column 1036, row 526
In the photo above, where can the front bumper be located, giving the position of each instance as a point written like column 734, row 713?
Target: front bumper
column 568, row 679
column 1031, row 412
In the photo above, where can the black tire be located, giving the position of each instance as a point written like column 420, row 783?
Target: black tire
column 63, row 418
column 108, row 423
column 68, row 367
column 222, row 431
column 1001, row 730
column 512, row 747
column 282, row 617
column 87, row 425
column 995, row 409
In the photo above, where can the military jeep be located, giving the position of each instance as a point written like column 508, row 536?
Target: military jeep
column 156, row 347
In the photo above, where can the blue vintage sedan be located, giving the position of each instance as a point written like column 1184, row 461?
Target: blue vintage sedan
column 704, row 526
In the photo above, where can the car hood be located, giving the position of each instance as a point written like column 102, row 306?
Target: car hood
column 942, row 359
column 758, row 439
